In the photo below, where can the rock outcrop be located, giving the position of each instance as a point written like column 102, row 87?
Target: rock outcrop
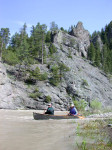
column 83, row 81
column 13, row 93
column 78, row 40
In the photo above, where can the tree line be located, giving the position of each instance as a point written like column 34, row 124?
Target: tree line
column 22, row 49
column 101, row 55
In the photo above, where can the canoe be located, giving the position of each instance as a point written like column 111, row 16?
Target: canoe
column 38, row 116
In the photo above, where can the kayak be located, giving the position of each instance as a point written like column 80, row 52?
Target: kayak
column 38, row 116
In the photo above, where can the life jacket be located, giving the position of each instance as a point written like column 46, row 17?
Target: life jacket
column 73, row 111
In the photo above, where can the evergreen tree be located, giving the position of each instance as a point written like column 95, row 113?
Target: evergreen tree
column 94, row 35
column 62, row 69
column 52, row 49
column 91, row 52
column 70, row 28
column 38, row 36
column 106, row 36
column 64, row 30
column 44, row 29
column 48, row 37
column 4, row 39
column 15, row 41
column 97, row 55
column 53, row 27
column 55, row 75
column 104, row 57
column 23, row 52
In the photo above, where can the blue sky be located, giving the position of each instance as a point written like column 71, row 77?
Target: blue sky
column 94, row 14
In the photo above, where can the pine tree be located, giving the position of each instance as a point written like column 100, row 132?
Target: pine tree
column 23, row 49
column 23, row 52
column 91, row 52
column 4, row 39
column 97, row 55
column 38, row 35
column 53, row 27
column 48, row 37
column 106, row 36
column 55, row 75
column 104, row 58
column 62, row 68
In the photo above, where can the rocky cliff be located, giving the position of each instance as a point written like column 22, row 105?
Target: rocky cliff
column 83, row 81
column 77, row 41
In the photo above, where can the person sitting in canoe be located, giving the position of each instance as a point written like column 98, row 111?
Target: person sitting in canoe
column 73, row 110
column 50, row 109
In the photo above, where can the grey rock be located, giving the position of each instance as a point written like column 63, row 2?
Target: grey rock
column 109, row 125
column 83, row 81
column 78, row 42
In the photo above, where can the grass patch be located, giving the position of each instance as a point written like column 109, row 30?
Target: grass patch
column 35, row 94
column 48, row 99
column 94, row 135
column 95, row 104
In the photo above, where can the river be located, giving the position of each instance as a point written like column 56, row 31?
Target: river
column 19, row 131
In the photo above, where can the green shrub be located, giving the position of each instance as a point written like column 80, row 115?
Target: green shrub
column 55, row 79
column 44, row 76
column 95, row 104
column 31, row 60
column 52, row 49
column 72, row 42
column 80, row 105
column 36, row 90
column 69, row 53
column 48, row 99
column 61, row 47
column 35, row 73
column 63, row 67
column 64, row 40
column 34, row 95
column 84, row 83
column 10, row 58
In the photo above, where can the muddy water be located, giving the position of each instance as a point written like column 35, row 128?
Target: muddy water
column 19, row 131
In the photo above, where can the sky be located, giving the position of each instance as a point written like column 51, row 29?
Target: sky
column 94, row 14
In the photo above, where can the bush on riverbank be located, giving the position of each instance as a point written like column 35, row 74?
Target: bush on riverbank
column 95, row 104
column 94, row 135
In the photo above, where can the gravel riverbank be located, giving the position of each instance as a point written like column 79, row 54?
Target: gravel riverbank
column 101, row 115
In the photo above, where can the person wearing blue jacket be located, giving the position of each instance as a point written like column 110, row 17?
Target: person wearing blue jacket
column 73, row 110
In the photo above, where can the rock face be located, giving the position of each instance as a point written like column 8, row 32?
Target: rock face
column 80, row 32
column 78, row 40
column 83, row 81
column 98, row 39
column 12, row 93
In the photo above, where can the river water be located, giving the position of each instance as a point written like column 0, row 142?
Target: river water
column 19, row 131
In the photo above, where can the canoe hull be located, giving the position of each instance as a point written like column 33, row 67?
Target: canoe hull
column 38, row 116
